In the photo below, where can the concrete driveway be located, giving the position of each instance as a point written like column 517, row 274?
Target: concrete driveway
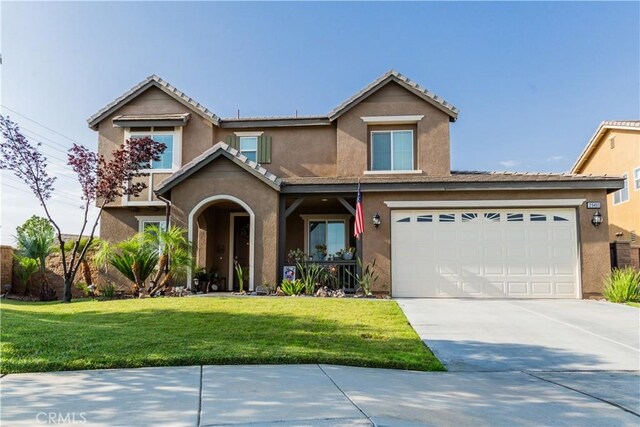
column 528, row 335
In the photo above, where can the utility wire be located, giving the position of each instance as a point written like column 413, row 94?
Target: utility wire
column 59, row 201
column 13, row 179
column 40, row 124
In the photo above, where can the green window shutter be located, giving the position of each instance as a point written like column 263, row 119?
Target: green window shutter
column 264, row 149
column 233, row 141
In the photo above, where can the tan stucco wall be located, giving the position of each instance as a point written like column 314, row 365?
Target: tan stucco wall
column 222, row 177
column 594, row 243
column 120, row 223
column 197, row 135
column 301, row 151
column 393, row 100
column 624, row 158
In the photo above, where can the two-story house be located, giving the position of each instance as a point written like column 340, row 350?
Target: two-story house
column 614, row 149
column 255, row 188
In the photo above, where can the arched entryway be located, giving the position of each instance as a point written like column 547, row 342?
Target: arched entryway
column 221, row 229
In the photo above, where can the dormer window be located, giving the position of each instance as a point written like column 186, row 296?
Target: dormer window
column 392, row 150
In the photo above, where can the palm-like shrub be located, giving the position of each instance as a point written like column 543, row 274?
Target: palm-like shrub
column 26, row 268
column 623, row 285
column 34, row 239
column 174, row 254
column 136, row 260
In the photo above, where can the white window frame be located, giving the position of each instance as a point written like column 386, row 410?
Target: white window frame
column 144, row 219
column 176, row 160
column 636, row 179
column 413, row 154
column 326, row 217
column 256, row 137
column 613, row 196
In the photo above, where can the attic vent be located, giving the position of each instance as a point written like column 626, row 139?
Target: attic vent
column 634, row 235
column 612, row 142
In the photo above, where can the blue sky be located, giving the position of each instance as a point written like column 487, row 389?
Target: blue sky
column 532, row 80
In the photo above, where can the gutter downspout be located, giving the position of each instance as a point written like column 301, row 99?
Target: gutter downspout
column 167, row 219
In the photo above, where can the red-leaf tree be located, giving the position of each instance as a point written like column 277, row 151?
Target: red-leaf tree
column 102, row 181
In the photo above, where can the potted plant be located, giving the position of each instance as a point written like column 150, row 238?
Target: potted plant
column 321, row 252
column 347, row 255
column 202, row 279
column 214, row 280
column 296, row 256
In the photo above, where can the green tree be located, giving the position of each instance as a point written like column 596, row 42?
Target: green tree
column 35, row 239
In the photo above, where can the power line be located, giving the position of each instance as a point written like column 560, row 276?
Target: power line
column 29, row 131
column 40, row 124
column 11, row 178
column 58, row 201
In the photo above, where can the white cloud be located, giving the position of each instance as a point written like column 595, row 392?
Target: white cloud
column 555, row 158
column 510, row 163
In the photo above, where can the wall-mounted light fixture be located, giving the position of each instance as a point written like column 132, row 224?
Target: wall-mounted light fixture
column 376, row 220
column 597, row 219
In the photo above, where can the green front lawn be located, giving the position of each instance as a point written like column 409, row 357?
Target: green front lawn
column 196, row 331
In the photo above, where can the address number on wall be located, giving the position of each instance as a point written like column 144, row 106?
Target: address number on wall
column 593, row 205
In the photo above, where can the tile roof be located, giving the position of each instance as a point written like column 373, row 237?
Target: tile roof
column 393, row 75
column 455, row 177
column 220, row 149
column 390, row 75
column 604, row 125
column 156, row 81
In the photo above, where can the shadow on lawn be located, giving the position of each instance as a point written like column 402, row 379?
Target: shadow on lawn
column 41, row 340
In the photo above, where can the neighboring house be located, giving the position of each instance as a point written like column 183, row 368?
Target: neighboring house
column 615, row 150
column 255, row 188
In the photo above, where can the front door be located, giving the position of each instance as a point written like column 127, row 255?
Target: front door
column 241, row 230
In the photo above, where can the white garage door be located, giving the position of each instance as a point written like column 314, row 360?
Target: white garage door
column 518, row 253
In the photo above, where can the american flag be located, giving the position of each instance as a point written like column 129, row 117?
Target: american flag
column 359, row 225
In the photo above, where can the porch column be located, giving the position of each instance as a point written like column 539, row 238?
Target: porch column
column 282, row 237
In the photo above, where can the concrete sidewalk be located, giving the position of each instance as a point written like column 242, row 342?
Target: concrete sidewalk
column 317, row 395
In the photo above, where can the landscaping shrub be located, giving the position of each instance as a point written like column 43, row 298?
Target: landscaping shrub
column 292, row 287
column 623, row 285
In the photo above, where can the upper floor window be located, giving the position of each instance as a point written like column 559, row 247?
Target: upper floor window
column 622, row 195
column 392, row 150
column 249, row 147
column 636, row 178
column 164, row 135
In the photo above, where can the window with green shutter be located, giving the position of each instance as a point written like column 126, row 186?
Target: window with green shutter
column 255, row 148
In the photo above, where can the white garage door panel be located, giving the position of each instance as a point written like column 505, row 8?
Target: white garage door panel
column 517, row 253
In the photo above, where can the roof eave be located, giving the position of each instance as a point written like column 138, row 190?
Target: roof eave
column 610, row 185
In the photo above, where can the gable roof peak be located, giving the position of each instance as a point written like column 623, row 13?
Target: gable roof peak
column 216, row 151
column 405, row 82
column 163, row 85
column 633, row 125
